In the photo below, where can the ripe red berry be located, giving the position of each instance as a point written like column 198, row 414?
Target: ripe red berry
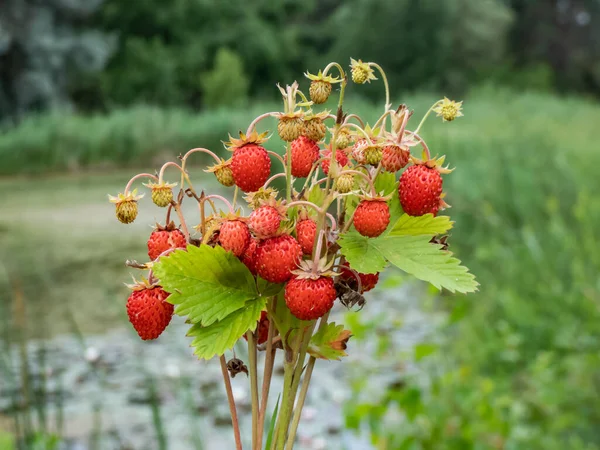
column 371, row 217
column 306, row 232
column 249, row 256
column 305, row 152
column 341, row 156
column 251, row 167
column 148, row 312
column 394, row 158
column 264, row 221
column 276, row 257
column 163, row 239
column 367, row 280
column 420, row 189
column 310, row 299
column 234, row 236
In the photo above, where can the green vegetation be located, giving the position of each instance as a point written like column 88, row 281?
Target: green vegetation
column 518, row 363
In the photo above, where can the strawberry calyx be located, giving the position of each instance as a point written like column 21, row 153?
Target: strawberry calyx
column 250, row 139
column 432, row 163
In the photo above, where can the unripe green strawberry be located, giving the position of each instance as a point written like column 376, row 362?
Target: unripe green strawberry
column 148, row 311
column 289, row 127
column 420, row 190
column 276, row 257
column 361, row 72
column 343, row 138
column 223, row 172
column 305, row 152
column 306, row 232
column 314, row 128
column 234, row 236
column 162, row 193
column 344, row 183
column 126, row 208
column 372, row 155
column 371, row 217
column 319, row 91
column 309, row 299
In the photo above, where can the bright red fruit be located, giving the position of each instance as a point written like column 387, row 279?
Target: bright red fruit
column 264, row 221
column 306, row 232
column 420, row 189
column 148, row 312
column 367, row 280
column 251, row 167
column 276, row 257
column 305, row 152
column 371, row 217
column 310, row 299
column 341, row 156
column 394, row 158
column 249, row 256
column 163, row 239
column 234, row 236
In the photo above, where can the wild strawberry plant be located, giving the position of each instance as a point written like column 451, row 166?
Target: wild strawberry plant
column 269, row 269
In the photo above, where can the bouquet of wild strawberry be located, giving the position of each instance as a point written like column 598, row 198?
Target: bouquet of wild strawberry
column 270, row 270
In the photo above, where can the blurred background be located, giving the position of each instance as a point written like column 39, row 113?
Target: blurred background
column 92, row 91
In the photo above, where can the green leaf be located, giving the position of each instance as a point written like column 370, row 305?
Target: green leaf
column 316, row 195
column 272, row 424
column 329, row 342
column 220, row 336
column 386, row 183
column 424, row 349
column 267, row 289
column 421, row 225
column 361, row 252
column 206, row 284
column 426, row 261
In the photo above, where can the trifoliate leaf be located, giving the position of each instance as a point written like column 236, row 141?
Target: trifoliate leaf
column 426, row 261
column 329, row 342
column 361, row 252
column 421, row 225
column 206, row 284
column 220, row 336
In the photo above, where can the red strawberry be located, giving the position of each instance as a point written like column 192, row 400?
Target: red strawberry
column 234, row 236
column 276, row 257
column 163, row 239
column 420, row 189
column 264, row 221
column 261, row 332
column 367, row 280
column 148, row 311
column 341, row 156
column 305, row 152
column 249, row 256
column 310, row 299
column 371, row 217
column 251, row 167
column 394, row 158
column 306, row 232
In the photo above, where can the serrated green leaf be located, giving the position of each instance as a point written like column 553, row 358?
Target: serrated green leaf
column 426, row 261
column 206, row 284
column 385, row 183
column 220, row 336
column 420, row 225
column 316, row 195
column 361, row 253
column 329, row 342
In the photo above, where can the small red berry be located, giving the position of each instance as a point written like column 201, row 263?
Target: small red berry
column 371, row 217
column 148, row 312
column 420, row 189
column 367, row 280
column 310, row 299
column 276, row 257
column 341, row 156
column 251, row 167
column 163, row 239
column 234, row 236
column 305, row 152
column 264, row 221
column 249, row 256
column 306, row 232
column 394, row 158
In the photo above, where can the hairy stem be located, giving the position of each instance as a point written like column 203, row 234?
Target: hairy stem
column 258, row 119
column 426, row 115
column 267, row 373
column 231, row 401
column 288, row 172
column 139, row 175
column 253, row 387
column 388, row 105
column 168, row 164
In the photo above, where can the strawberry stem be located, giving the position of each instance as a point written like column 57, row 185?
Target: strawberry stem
column 231, row 401
column 139, row 175
column 427, row 115
column 388, row 105
column 253, row 387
